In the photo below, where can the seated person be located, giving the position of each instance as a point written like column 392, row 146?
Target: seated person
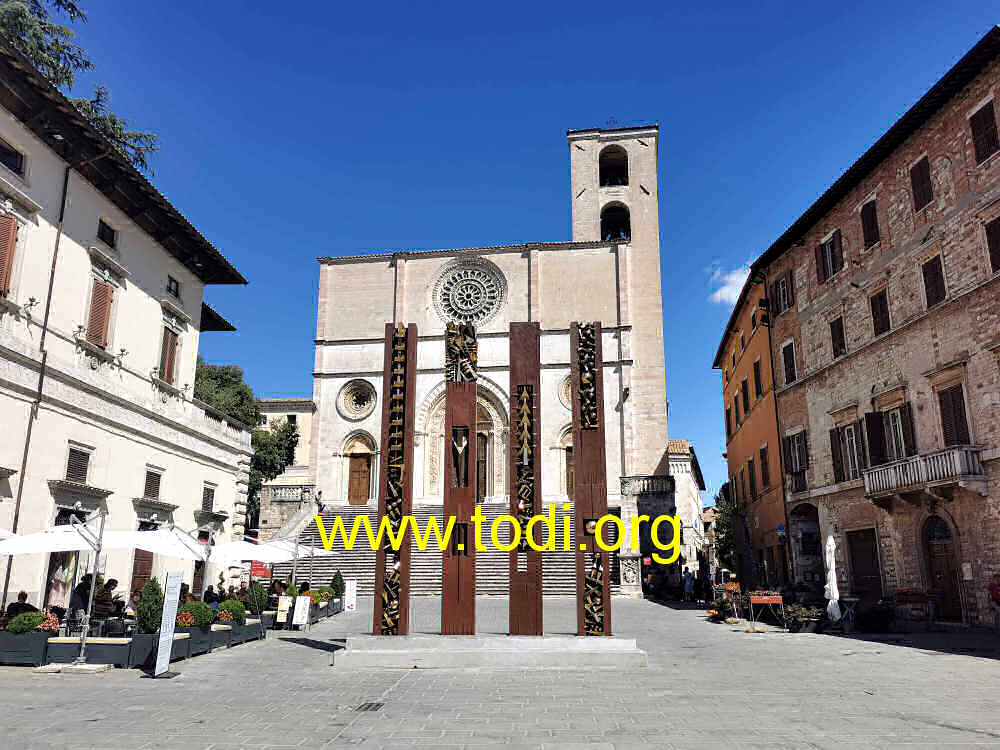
column 81, row 593
column 104, row 599
column 20, row 606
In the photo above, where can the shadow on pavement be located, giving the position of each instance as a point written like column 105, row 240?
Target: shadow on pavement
column 330, row 646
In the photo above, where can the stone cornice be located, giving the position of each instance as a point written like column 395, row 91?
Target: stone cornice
column 65, row 486
column 6, row 473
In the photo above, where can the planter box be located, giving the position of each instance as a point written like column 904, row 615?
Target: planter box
column 324, row 609
column 268, row 618
column 199, row 640
column 23, row 648
column 336, row 605
column 222, row 636
column 242, row 633
column 314, row 614
column 63, row 650
column 254, row 629
column 143, row 653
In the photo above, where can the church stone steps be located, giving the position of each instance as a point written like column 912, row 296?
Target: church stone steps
column 492, row 566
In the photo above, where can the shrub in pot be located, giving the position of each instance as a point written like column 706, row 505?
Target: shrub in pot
column 337, row 584
column 148, row 614
column 26, row 638
column 195, row 618
column 232, row 612
column 257, row 599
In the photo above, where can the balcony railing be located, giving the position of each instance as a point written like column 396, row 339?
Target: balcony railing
column 290, row 493
column 951, row 465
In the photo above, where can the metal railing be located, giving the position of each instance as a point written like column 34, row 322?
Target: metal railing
column 952, row 463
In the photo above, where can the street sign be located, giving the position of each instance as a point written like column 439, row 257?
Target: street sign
column 284, row 604
column 301, row 614
column 171, row 595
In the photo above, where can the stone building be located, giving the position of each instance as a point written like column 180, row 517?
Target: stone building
column 688, row 486
column 281, row 496
column 101, row 310
column 610, row 272
column 884, row 304
column 753, row 449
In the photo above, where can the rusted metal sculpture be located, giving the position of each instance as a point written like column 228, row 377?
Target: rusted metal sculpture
column 525, row 606
column 458, row 563
column 593, row 586
column 392, row 567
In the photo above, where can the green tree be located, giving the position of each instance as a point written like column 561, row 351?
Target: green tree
column 222, row 387
column 727, row 523
column 150, row 610
column 33, row 28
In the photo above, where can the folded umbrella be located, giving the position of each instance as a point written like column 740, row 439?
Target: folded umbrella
column 228, row 552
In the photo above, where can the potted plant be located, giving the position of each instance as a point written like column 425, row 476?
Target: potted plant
column 257, row 602
column 339, row 587
column 232, row 613
column 148, row 614
column 195, row 619
column 25, row 639
column 315, row 611
column 328, row 597
column 802, row 618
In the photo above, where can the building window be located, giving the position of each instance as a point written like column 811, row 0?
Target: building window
column 984, row 132
column 736, row 410
column 765, row 470
column 745, row 390
column 829, row 257
column 896, row 444
column 933, row 281
column 613, row 166
column 993, row 243
column 837, row 337
column 797, row 460
column 758, row 383
column 782, row 293
column 880, row 312
column 734, row 360
column 729, row 423
column 99, row 319
column 8, row 244
column 753, row 319
column 788, row 358
column 292, row 419
column 615, row 223
column 151, row 489
column 77, row 465
column 208, row 498
column 743, row 484
column 954, row 424
column 106, row 234
column 869, row 224
column 173, row 287
column 11, row 158
column 743, row 343
column 851, row 456
column 168, row 356
column 752, row 475
column 920, row 181
column 889, row 434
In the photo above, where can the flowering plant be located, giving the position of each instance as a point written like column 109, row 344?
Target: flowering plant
column 225, row 616
column 764, row 592
column 712, row 612
column 50, row 624
column 185, row 620
column 315, row 596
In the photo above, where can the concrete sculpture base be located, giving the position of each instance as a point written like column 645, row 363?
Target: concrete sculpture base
column 489, row 652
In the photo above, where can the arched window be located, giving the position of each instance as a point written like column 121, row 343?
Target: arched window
column 614, row 166
column 615, row 224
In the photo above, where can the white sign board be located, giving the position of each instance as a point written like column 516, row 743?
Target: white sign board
column 171, row 595
column 350, row 595
column 301, row 614
column 284, row 605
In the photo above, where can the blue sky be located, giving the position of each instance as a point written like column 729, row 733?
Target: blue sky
column 299, row 130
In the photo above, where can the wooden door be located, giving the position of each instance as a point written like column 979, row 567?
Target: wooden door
column 942, row 568
column 570, row 472
column 142, row 569
column 866, row 577
column 481, row 483
column 359, row 480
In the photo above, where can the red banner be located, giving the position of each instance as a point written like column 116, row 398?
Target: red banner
column 765, row 599
column 260, row 570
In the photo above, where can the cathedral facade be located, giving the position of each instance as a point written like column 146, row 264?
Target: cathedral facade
column 609, row 272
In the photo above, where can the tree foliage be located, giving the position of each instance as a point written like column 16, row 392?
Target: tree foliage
column 726, row 527
column 222, row 388
column 273, row 450
column 34, row 29
column 150, row 610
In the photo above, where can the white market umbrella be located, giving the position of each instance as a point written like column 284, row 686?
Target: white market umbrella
column 4, row 534
column 832, row 591
column 305, row 551
column 168, row 541
column 228, row 552
column 68, row 539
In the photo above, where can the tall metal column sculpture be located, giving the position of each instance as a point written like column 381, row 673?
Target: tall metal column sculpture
column 593, row 586
column 525, row 604
column 392, row 567
column 458, row 568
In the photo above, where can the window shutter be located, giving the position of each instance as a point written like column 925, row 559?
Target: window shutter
column 869, row 223
column 820, row 265
column 100, row 314
column 786, row 447
column 953, row 421
column 837, row 337
column 152, row 488
column 838, row 251
column 168, row 356
column 8, row 242
column 933, row 281
column 909, row 436
column 875, row 434
column 772, row 298
column 207, row 499
column 920, row 181
column 838, row 458
column 880, row 312
column 790, row 287
column 993, row 242
column 859, row 435
column 984, row 133
column 805, row 449
column 765, row 470
column 77, row 465
column 788, row 355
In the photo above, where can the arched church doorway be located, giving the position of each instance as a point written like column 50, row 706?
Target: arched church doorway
column 942, row 569
column 358, row 454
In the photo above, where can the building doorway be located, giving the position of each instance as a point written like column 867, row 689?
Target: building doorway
column 359, row 478
column 866, row 575
column 482, row 476
column 142, row 562
column 570, row 472
column 942, row 570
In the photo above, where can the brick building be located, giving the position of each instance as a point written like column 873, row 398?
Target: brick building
column 752, row 444
column 884, row 302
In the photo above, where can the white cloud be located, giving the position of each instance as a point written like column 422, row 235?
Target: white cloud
column 729, row 284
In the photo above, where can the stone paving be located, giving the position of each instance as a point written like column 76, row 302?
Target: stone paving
column 707, row 686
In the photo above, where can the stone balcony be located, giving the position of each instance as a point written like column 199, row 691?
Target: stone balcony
column 286, row 493
column 934, row 475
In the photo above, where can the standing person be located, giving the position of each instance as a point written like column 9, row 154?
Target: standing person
column 209, row 597
column 688, row 585
column 81, row 594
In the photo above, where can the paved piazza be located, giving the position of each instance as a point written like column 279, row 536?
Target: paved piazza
column 707, row 686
